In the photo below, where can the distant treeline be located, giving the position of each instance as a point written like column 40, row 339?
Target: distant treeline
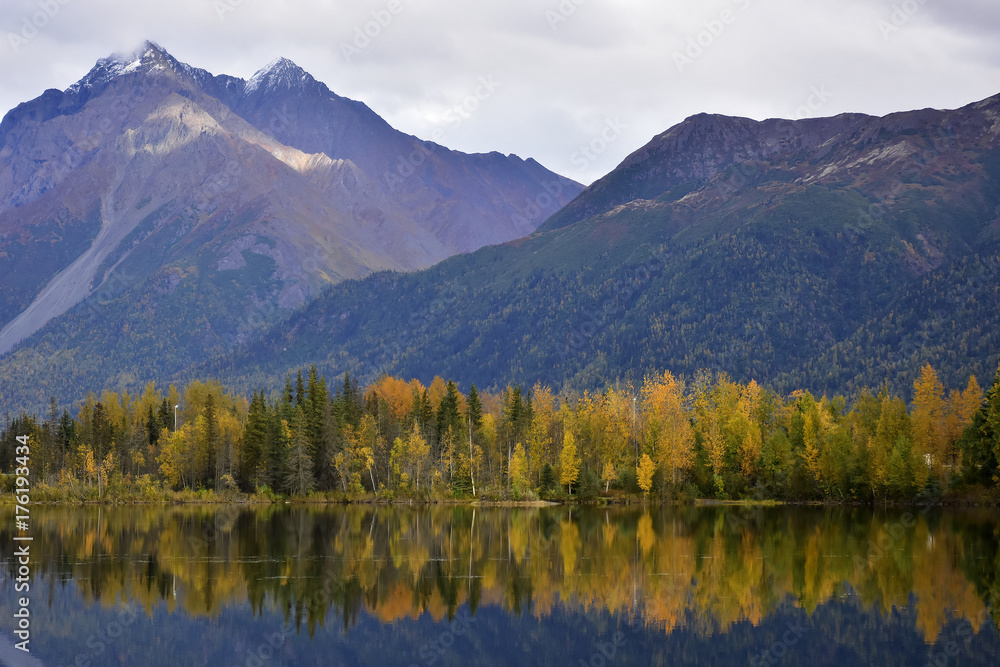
column 704, row 436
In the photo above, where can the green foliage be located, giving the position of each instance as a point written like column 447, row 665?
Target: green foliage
column 628, row 481
column 299, row 478
column 547, row 478
column 590, row 485
column 979, row 461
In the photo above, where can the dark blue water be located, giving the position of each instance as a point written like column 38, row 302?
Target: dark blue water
column 449, row 586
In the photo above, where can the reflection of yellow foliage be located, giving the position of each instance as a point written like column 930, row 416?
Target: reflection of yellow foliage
column 569, row 545
column 939, row 586
column 609, row 530
column 518, row 536
column 645, row 473
column 644, row 532
column 398, row 604
column 744, row 567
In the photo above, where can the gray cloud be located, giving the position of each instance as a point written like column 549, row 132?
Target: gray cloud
column 566, row 67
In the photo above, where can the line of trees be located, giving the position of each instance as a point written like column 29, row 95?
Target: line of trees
column 706, row 436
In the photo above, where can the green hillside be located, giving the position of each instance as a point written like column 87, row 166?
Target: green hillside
column 789, row 297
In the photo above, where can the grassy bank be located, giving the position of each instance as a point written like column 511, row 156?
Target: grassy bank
column 146, row 490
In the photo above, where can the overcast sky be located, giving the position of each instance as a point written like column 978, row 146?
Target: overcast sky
column 608, row 74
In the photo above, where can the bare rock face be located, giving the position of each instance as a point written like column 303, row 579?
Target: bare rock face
column 147, row 167
column 708, row 159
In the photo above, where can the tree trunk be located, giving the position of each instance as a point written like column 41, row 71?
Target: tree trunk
column 472, row 465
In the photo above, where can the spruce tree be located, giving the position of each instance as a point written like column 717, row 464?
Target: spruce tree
column 299, row 479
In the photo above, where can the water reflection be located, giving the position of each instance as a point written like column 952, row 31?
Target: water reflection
column 771, row 576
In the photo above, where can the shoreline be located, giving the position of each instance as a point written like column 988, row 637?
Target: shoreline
column 475, row 502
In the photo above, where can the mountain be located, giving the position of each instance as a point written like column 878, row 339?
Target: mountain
column 184, row 210
column 825, row 254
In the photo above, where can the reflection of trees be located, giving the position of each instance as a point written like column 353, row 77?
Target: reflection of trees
column 702, row 567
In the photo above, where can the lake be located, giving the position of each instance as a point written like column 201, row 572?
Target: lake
column 264, row 586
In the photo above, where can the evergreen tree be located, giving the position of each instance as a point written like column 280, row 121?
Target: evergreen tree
column 299, row 479
column 474, row 408
column 979, row 461
column 425, row 416
column 314, row 411
column 449, row 421
column 901, row 464
column 165, row 414
column 102, row 432
column 332, row 443
column 46, row 456
column 300, row 390
column 992, row 413
column 67, row 436
column 349, row 408
column 276, row 448
column 153, row 427
column 547, row 477
column 253, row 442
column 210, row 439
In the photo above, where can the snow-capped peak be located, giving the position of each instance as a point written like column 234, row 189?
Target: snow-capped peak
column 279, row 73
column 149, row 53
column 149, row 56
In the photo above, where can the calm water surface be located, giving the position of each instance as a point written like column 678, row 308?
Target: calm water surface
column 319, row 585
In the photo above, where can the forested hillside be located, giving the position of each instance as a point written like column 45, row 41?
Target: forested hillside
column 833, row 254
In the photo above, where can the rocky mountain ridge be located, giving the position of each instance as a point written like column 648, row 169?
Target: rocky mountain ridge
column 147, row 167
